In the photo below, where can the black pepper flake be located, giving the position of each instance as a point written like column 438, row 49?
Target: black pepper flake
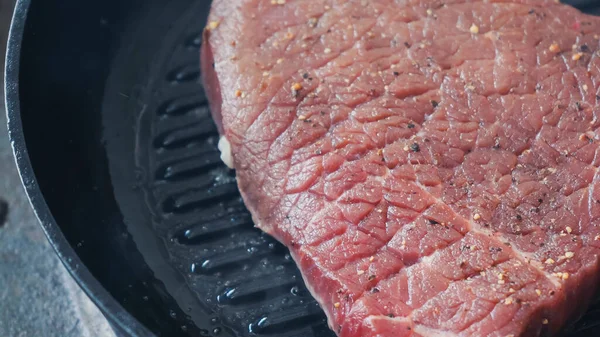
column 579, row 106
column 305, row 75
column 584, row 48
column 540, row 200
column 408, row 328
column 462, row 264
column 519, row 217
column 531, row 11
column 406, row 44
column 552, row 292
column 434, row 103
column 213, row 65
column 495, row 249
column 390, row 315
column 597, row 97
column 433, row 222
column 410, row 125
column 496, row 146
column 415, row 147
column 374, row 290
column 396, row 73
column 372, row 277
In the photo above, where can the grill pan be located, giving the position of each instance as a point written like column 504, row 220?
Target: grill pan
column 118, row 153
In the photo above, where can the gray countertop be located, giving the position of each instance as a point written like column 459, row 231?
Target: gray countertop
column 37, row 295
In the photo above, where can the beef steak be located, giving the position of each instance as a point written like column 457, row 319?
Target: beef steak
column 431, row 165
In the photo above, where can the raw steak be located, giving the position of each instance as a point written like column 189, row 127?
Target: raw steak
column 431, row 165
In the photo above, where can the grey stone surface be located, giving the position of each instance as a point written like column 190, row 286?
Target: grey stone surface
column 37, row 295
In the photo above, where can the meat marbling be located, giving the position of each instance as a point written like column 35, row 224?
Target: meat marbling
column 431, row 165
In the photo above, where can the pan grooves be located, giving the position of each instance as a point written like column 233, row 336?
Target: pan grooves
column 244, row 276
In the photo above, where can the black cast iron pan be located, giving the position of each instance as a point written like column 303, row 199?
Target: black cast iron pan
column 116, row 149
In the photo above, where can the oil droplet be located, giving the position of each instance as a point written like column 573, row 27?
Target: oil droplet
column 145, row 298
column 295, row 291
column 217, row 331
column 172, row 314
column 214, row 320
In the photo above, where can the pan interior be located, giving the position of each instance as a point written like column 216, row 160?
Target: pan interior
column 125, row 152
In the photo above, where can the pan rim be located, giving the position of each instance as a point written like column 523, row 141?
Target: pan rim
column 120, row 319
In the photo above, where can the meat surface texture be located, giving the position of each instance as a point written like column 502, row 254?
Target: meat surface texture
column 431, row 165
